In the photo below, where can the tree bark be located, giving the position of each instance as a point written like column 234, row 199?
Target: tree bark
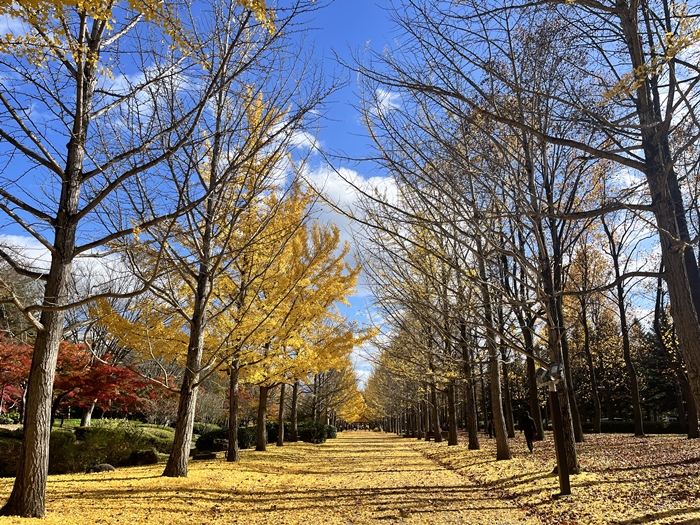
column 472, row 417
column 533, row 396
column 293, row 431
column 261, row 442
column 86, row 417
column 682, row 274
column 280, row 418
column 451, row 415
column 436, row 418
column 233, row 453
column 626, row 352
column 178, row 461
column 508, row 405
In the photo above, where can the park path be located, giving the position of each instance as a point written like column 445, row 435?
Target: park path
column 365, row 477
column 360, row 478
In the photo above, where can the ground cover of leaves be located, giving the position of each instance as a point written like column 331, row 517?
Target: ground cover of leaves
column 359, row 478
column 625, row 480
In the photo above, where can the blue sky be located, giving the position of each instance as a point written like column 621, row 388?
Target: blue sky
column 347, row 28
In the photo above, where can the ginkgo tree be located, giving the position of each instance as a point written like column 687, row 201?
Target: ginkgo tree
column 301, row 331
column 90, row 159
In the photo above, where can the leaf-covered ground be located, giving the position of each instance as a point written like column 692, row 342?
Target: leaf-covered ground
column 359, row 478
column 365, row 477
column 625, row 480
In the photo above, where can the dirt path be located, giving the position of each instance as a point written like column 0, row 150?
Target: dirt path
column 365, row 477
column 358, row 478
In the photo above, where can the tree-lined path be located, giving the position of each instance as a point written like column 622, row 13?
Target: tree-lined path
column 358, row 478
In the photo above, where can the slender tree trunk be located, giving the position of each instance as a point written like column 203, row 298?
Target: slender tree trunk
column 178, row 460
column 293, row 432
column 436, row 417
column 233, row 453
column 261, row 443
column 426, row 414
column 280, row 418
column 510, row 420
column 626, row 351
column 451, row 415
column 597, row 410
column 682, row 273
column 533, row 396
column 573, row 404
column 484, row 396
column 86, row 417
column 472, row 417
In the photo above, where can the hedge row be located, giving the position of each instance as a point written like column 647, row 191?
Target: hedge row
column 73, row 450
column 309, row 431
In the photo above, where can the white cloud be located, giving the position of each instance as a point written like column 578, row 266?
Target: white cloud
column 27, row 251
column 385, row 101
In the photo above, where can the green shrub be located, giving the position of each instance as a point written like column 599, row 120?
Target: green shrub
column 202, row 428
column 10, row 445
column 206, row 440
column 63, row 453
column 273, row 431
column 313, row 432
column 331, row 432
column 246, row 438
column 144, row 457
column 159, row 438
column 114, row 440
column 9, row 418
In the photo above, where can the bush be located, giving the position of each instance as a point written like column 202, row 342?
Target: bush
column 144, row 457
column 273, row 431
column 246, row 438
column 159, row 438
column 313, row 432
column 206, row 440
column 331, row 432
column 202, row 428
column 114, row 441
column 10, row 444
column 9, row 418
column 63, row 457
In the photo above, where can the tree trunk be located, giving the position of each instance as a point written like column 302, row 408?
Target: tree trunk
column 426, row 416
column 28, row 497
column 261, row 442
column 534, row 398
column 626, row 352
column 177, row 464
column 233, row 453
column 597, row 410
column 499, row 422
column 510, row 421
column 674, row 352
column 420, row 434
column 86, row 417
column 179, row 457
column 280, row 418
column 472, row 417
column 682, row 274
column 436, row 418
column 451, row 415
column 293, row 431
